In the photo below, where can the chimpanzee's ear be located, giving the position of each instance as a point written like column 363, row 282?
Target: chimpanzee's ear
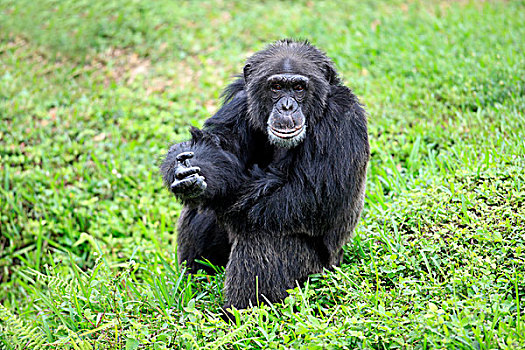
column 331, row 74
column 247, row 71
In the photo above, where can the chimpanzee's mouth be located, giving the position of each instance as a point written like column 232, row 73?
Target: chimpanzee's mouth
column 287, row 133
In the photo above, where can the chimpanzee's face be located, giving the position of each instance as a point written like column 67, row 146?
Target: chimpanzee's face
column 287, row 88
column 286, row 124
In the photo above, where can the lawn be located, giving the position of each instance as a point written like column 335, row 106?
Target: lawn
column 93, row 92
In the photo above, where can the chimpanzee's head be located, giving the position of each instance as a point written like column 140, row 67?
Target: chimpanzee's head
column 287, row 85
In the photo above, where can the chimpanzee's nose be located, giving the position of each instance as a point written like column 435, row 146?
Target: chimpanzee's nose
column 287, row 104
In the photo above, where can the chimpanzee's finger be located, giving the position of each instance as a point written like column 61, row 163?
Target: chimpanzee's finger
column 200, row 182
column 181, row 157
column 183, row 185
column 181, row 172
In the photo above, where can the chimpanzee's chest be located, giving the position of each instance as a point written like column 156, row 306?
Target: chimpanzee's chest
column 259, row 152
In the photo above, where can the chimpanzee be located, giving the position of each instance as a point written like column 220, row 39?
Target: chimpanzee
column 274, row 183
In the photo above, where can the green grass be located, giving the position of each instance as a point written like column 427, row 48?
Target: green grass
column 93, row 92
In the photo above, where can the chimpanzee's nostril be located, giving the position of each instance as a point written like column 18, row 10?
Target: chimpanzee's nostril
column 287, row 104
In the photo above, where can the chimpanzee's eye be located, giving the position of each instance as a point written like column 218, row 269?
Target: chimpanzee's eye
column 298, row 87
column 276, row 87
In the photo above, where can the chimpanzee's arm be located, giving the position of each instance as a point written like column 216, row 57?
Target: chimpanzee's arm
column 210, row 167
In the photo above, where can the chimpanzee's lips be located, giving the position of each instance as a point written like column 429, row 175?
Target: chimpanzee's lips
column 287, row 133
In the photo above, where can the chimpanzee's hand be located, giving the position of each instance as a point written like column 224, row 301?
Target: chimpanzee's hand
column 188, row 182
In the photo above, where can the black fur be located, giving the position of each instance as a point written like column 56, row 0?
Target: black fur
column 273, row 214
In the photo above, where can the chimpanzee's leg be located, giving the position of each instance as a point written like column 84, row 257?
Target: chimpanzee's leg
column 262, row 267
